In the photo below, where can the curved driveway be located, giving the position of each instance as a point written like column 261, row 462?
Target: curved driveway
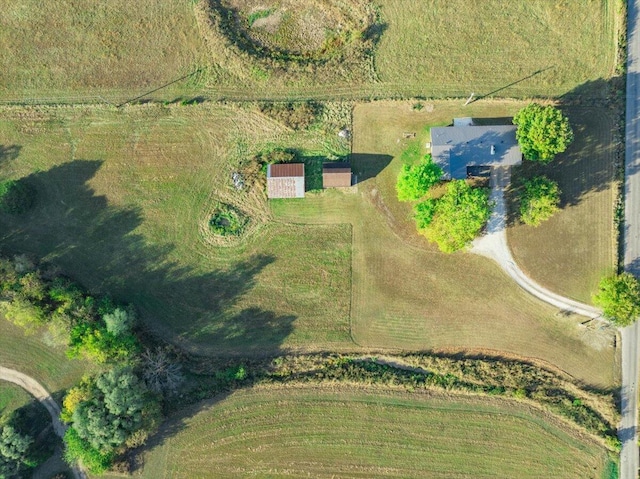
column 494, row 245
column 34, row 388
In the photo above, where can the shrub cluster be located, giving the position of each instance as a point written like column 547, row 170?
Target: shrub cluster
column 415, row 180
column 297, row 116
column 619, row 297
column 16, row 196
column 94, row 327
column 109, row 414
column 539, row 200
column 227, row 221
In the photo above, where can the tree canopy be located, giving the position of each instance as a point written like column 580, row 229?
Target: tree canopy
column 543, row 132
column 539, row 200
column 14, row 453
column 114, row 411
column 458, row 216
column 619, row 298
column 415, row 180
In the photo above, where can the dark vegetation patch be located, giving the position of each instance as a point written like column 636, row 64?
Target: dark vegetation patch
column 16, row 196
column 297, row 116
column 227, row 221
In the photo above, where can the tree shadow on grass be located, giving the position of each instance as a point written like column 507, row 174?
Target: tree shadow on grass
column 590, row 163
column 97, row 244
column 9, row 153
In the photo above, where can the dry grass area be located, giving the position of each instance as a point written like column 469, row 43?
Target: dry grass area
column 123, row 195
column 572, row 251
column 408, row 295
column 454, row 47
column 65, row 51
column 70, row 48
column 346, row 432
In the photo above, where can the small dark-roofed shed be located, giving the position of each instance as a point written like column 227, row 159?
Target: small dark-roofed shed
column 336, row 175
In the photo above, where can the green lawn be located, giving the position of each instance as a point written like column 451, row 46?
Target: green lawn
column 338, row 432
column 12, row 397
column 124, row 201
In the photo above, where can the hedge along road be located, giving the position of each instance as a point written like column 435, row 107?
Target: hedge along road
column 34, row 388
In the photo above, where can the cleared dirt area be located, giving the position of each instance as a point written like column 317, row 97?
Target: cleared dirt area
column 329, row 432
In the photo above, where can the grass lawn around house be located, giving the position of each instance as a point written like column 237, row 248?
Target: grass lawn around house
column 346, row 432
column 406, row 294
column 573, row 250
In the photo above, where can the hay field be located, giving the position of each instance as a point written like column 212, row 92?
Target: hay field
column 124, row 200
column 458, row 47
column 340, row 432
column 68, row 51
column 408, row 295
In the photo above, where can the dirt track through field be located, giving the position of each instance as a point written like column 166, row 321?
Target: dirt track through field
column 34, row 388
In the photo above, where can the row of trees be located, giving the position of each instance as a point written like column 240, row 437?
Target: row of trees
column 117, row 409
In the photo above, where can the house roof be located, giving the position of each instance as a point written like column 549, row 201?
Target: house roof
column 453, row 148
column 336, row 175
column 285, row 170
column 285, row 180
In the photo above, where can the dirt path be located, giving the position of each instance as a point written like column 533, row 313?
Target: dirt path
column 34, row 388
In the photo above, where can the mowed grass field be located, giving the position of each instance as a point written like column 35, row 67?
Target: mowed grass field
column 572, row 251
column 455, row 47
column 12, row 397
column 69, row 50
column 406, row 294
column 30, row 355
column 124, row 197
column 341, row 432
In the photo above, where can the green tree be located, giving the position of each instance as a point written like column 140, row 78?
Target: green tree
column 423, row 213
column 415, row 180
column 539, row 200
column 619, row 298
column 459, row 215
column 543, row 132
column 16, row 196
column 119, row 321
column 120, row 407
column 14, row 453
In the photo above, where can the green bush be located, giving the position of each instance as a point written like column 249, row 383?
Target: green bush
column 415, row 180
column 539, row 200
column 543, row 132
column 15, row 456
column 619, row 298
column 227, row 221
column 459, row 216
column 78, row 450
column 297, row 116
column 16, row 196
column 423, row 213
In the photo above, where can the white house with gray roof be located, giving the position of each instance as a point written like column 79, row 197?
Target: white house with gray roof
column 463, row 151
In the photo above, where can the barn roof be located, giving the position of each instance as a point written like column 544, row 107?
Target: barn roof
column 336, row 175
column 285, row 180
